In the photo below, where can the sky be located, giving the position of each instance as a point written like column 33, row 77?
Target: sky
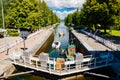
column 64, row 7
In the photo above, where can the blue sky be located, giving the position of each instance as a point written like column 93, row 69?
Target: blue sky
column 64, row 7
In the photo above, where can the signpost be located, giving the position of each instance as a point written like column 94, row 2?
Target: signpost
column 24, row 34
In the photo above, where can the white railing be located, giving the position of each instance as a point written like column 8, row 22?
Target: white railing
column 66, row 65
column 11, row 44
column 103, row 41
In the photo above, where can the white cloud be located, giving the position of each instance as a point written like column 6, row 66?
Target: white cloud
column 62, row 4
column 63, row 14
column 65, row 3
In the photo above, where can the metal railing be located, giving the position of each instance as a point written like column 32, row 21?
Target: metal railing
column 11, row 44
column 64, row 66
column 107, row 43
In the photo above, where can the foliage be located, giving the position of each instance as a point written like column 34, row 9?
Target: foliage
column 12, row 32
column 31, row 14
column 97, row 13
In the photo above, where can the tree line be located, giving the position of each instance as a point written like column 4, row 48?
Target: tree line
column 102, row 14
column 31, row 14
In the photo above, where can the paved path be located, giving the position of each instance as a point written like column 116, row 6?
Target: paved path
column 90, row 43
column 31, row 40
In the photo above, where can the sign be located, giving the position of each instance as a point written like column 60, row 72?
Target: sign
column 24, row 34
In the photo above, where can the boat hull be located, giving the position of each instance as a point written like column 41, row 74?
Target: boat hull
column 56, row 44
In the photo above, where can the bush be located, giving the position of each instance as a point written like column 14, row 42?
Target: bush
column 13, row 32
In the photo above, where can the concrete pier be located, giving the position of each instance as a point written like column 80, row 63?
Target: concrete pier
column 90, row 45
column 34, row 42
column 39, row 45
column 6, row 68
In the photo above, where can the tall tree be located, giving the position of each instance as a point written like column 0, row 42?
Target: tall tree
column 103, row 12
column 28, row 14
column 106, row 13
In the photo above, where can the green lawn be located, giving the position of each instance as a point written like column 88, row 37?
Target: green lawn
column 113, row 33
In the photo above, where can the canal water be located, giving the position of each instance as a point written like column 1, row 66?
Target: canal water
column 54, row 53
column 63, row 39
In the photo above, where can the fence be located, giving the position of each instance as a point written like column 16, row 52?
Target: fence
column 65, row 66
column 10, row 44
column 107, row 43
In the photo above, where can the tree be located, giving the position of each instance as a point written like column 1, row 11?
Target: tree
column 28, row 14
column 68, row 20
column 103, row 12
column 73, row 18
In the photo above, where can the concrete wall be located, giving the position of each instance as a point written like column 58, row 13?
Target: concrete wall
column 79, row 46
column 47, row 43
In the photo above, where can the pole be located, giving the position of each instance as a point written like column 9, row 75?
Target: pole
column 5, row 45
column 3, row 15
column 24, row 45
column 39, row 14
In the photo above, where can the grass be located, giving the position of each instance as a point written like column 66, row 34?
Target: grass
column 115, row 33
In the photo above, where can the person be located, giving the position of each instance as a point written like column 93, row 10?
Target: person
column 62, row 51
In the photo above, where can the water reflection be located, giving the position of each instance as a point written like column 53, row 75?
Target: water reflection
column 54, row 53
column 64, row 40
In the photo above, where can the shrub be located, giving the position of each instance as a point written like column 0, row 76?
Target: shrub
column 13, row 32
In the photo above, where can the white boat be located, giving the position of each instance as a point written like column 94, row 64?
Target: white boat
column 56, row 44
column 61, row 33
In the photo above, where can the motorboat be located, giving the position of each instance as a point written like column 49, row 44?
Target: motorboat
column 56, row 44
column 61, row 33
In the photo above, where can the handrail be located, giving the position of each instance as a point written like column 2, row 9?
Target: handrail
column 16, row 42
column 51, row 65
column 104, row 41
